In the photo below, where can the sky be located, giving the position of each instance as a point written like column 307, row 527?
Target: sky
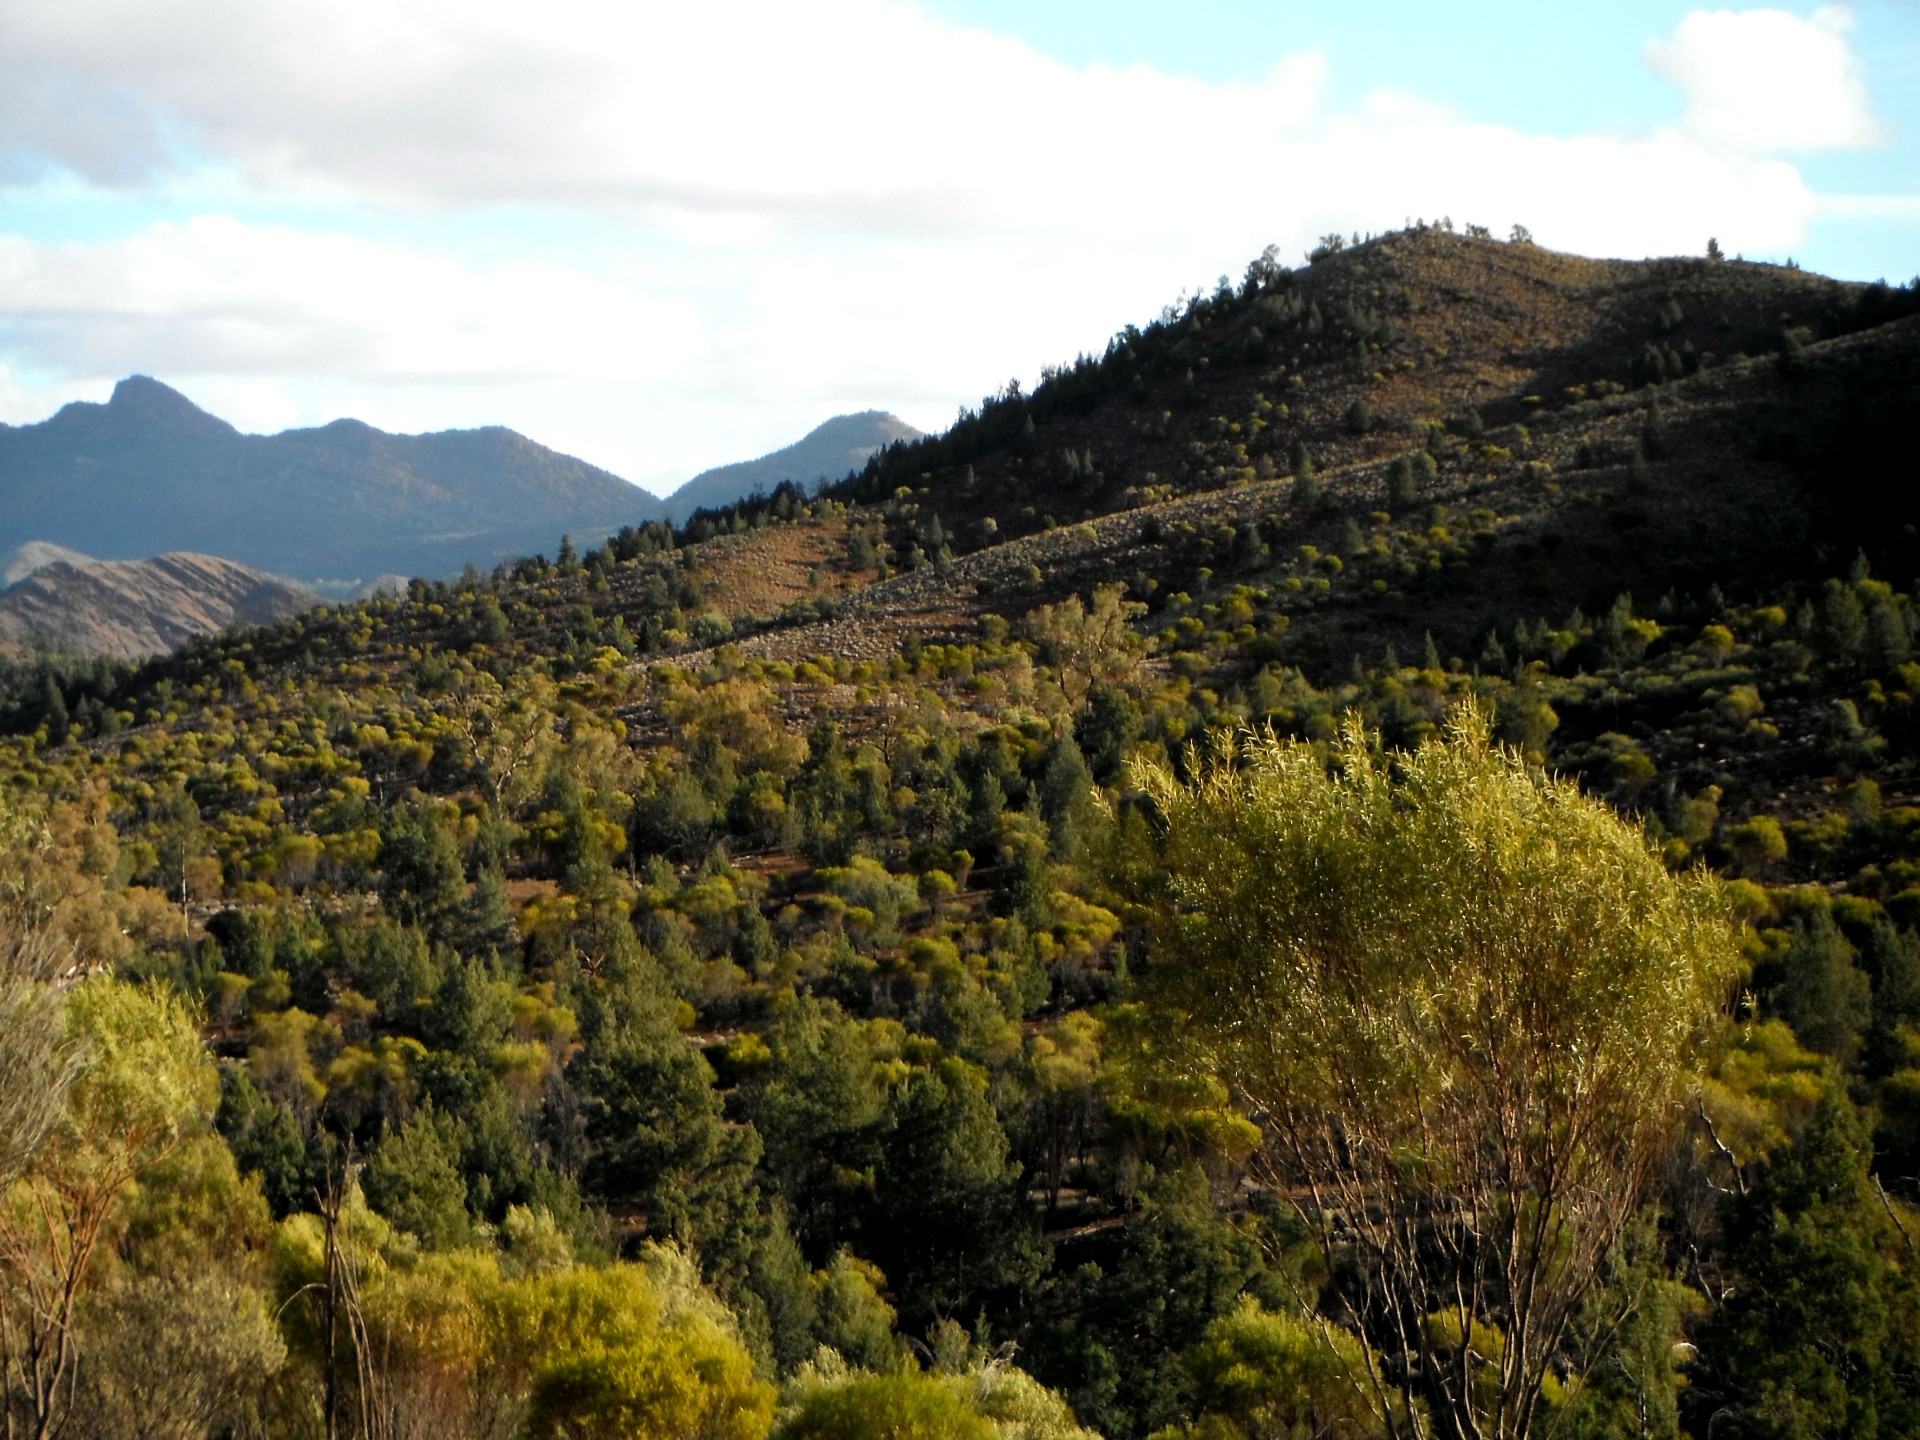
column 663, row 237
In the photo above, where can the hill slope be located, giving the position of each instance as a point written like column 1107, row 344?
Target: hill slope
column 151, row 471
column 130, row 609
column 1630, row 426
column 828, row 452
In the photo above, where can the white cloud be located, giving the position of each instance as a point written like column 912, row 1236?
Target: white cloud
column 24, row 400
column 824, row 206
column 1768, row 82
column 839, row 109
column 214, row 296
column 857, row 115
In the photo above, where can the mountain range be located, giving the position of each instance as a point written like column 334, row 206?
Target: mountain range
column 149, row 471
column 345, row 507
column 346, row 503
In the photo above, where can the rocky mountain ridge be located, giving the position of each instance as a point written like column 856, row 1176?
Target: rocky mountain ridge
column 130, row 609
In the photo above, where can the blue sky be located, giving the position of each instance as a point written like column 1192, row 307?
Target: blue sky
column 663, row 237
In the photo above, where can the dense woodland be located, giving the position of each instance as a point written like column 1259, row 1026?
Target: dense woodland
column 616, row 996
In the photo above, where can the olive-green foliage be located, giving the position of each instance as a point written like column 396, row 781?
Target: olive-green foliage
column 904, row 1406
column 1106, row 729
column 819, row 1111
column 177, row 1335
column 471, row 1009
column 458, row 1343
column 146, row 1089
column 776, row 1300
column 1066, row 798
column 1425, row 971
column 176, row 1355
column 1270, row 1375
column 1818, row 989
column 265, row 1138
column 421, row 875
column 1016, row 1405
column 1110, row 1334
column 1630, row 1342
column 852, row 1317
column 147, row 1084
column 1089, row 644
column 333, row 782
column 981, row 1400
column 618, row 1372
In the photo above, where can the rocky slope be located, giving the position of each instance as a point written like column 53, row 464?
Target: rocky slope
column 133, row 608
column 150, row 471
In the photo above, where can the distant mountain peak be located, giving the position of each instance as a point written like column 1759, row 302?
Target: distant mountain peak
column 855, row 420
column 828, row 452
column 142, row 389
column 144, row 400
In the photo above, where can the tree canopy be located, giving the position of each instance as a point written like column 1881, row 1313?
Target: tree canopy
column 1466, row 1004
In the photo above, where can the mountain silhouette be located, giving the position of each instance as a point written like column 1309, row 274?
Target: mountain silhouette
column 149, row 471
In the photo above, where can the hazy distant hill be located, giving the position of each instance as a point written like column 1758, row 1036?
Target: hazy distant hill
column 828, row 452
column 150, row 471
column 133, row 608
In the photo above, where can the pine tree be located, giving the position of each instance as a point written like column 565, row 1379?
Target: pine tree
column 1821, row 1334
column 1399, row 483
column 1306, row 484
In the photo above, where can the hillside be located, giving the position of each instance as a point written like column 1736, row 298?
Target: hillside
column 131, row 609
column 773, row 886
column 1524, row 376
column 828, row 452
column 150, row 471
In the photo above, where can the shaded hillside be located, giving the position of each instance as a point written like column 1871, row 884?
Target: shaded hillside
column 149, row 471
column 130, row 609
column 830, row 451
column 1635, row 425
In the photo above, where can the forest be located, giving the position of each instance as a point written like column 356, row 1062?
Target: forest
column 1305, row 878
